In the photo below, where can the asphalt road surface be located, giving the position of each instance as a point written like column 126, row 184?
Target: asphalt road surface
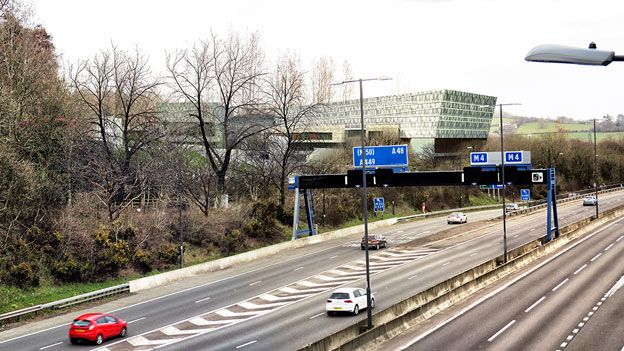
column 573, row 300
column 278, row 303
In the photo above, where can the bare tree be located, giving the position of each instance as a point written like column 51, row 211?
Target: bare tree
column 120, row 95
column 347, row 92
column 228, row 72
column 322, row 77
column 286, row 96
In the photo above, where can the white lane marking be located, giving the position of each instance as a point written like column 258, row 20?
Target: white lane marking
column 563, row 344
column 575, row 331
column 317, row 315
column 608, row 247
column 615, row 287
column 254, row 283
column 446, row 263
column 425, row 232
column 46, row 347
column 472, row 254
column 532, row 229
column 502, row 330
column 580, row 325
column 620, row 238
column 246, row 344
column 412, row 277
column 399, row 231
column 535, row 304
column 560, row 284
column 570, row 337
column 296, row 269
column 334, row 256
column 580, row 269
column 136, row 320
column 505, row 286
column 515, row 236
column 595, row 257
column 202, row 300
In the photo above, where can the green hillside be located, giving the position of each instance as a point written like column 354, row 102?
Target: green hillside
column 549, row 127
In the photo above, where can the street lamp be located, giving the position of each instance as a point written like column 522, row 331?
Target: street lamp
column 364, row 195
column 572, row 55
column 578, row 56
column 502, row 152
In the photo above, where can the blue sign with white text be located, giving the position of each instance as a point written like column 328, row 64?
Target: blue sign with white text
column 381, row 156
column 513, row 157
column 525, row 194
column 478, row 157
column 378, row 203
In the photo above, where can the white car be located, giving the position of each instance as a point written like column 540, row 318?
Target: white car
column 590, row 201
column 457, row 217
column 350, row 300
column 512, row 207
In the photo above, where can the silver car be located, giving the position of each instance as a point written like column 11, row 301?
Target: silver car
column 590, row 201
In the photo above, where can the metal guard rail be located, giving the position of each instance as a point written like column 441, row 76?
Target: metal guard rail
column 70, row 301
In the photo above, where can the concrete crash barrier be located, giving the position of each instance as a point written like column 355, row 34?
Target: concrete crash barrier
column 407, row 313
column 226, row 262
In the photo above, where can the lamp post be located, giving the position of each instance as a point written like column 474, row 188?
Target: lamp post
column 595, row 169
column 502, row 151
column 578, row 56
column 364, row 195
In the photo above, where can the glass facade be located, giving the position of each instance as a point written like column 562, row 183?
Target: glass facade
column 432, row 114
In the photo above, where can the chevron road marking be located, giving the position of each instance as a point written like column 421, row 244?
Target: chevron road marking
column 296, row 291
column 175, row 331
column 252, row 306
column 141, row 341
column 202, row 322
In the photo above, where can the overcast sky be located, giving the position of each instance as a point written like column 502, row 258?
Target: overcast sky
column 469, row 45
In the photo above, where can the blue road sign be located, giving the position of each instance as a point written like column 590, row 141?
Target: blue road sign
column 478, row 157
column 513, row 157
column 381, row 156
column 525, row 194
column 378, row 204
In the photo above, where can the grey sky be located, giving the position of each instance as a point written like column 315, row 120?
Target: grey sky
column 470, row 45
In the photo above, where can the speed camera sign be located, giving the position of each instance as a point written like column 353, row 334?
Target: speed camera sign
column 537, row 177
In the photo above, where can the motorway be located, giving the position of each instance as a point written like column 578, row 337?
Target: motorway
column 277, row 303
column 571, row 301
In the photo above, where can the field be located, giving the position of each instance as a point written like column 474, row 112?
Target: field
column 580, row 131
column 549, row 127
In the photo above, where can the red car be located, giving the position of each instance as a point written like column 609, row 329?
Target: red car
column 96, row 327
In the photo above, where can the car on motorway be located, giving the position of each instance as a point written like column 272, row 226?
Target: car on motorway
column 374, row 241
column 96, row 327
column 457, row 217
column 590, row 201
column 511, row 207
column 349, row 300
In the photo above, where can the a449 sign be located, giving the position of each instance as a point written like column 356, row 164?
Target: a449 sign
column 381, row 156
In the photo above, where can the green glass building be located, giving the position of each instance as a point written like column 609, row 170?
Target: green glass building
column 448, row 119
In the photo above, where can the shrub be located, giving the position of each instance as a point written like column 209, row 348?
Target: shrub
column 142, row 260
column 168, row 254
column 69, row 270
column 22, row 275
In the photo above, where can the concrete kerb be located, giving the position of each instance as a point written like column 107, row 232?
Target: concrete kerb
column 401, row 316
column 222, row 263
